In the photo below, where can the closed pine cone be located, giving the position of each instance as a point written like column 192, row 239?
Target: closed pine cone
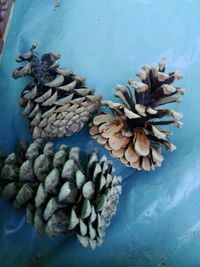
column 56, row 103
column 61, row 191
column 132, row 131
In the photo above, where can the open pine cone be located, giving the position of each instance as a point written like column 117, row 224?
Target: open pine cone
column 62, row 191
column 132, row 131
column 56, row 103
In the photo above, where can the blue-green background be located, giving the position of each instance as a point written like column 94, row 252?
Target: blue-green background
column 107, row 41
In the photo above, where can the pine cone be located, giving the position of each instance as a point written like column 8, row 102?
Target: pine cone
column 57, row 103
column 132, row 131
column 62, row 191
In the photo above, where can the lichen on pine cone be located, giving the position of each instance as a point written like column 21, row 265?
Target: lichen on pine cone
column 63, row 191
column 132, row 130
column 56, row 103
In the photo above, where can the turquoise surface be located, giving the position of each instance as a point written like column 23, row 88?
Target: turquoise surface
column 158, row 218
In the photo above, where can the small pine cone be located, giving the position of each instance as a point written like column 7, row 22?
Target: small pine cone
column 131, row 130
column 61, row 191
column 57, row 103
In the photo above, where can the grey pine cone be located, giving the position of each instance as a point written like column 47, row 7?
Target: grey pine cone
column 61, row 191
column 56, row 103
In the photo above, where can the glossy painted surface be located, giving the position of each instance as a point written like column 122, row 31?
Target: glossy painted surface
column 158, row 218
column 5, row 7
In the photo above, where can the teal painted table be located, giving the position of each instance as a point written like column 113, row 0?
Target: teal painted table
column 158, row 218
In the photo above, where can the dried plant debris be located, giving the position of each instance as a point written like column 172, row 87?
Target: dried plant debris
column 57, row 3
column 132, row 130
column 63, row 191
column 56, row 102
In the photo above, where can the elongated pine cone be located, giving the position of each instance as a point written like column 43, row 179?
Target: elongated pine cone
column 132, row 131
column 56, row 103
column 61, row 191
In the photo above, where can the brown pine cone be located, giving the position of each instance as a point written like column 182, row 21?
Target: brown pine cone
column 61, row 191
column 132, row 130
column 57, row 103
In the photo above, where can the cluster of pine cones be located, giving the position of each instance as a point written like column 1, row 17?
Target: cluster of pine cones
column 67, row 191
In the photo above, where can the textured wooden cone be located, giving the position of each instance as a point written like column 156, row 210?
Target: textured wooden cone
column 57, row 103
column 132, row 131
column 60, row 193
